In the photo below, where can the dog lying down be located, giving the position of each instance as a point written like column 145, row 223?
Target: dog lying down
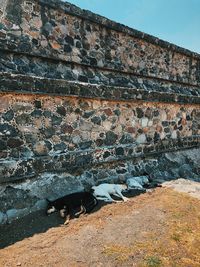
column 137, row 182
column 73, row 204
column 104, row 192
column 142, row 183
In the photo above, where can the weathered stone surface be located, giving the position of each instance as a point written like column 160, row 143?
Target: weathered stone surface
column 185, row 171
column 33, row 192
column 14, row 142
column 3, row 145
column 15, row 198
column 79, row 129
column 85, row 126
column 52, row 186
column 155, row 93
column 85, row 145
column 66, row 128
column 82, row 45
column 110, row 139
column 38, row 104
column 85, row 100
column 40, row 149
column 8, row 116
column 7, row 130
column 60, row 147
column 49, row 132
column 119, row 151
column 126, row 139
column 3, row 218
column 144, row 122
column 23, row 119
column 76, row 53
column 61, row 110
column 141, row 139
column 96, row 120
column 56, row 120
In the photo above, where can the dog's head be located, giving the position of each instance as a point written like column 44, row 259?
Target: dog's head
column 50, row 207
column 144, row 180
column 124, row 187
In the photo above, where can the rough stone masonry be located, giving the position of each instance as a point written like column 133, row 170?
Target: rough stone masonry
column 84, row 100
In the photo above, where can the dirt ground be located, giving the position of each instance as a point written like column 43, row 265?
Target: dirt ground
column 160, row 228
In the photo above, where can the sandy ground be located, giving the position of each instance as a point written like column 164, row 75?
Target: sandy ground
column 160, row 228
column 186, row 186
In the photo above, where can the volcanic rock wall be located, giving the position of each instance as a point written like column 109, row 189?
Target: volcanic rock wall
column 85, row 100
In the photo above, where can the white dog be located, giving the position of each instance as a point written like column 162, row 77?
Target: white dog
column 103, row 192
column 137, row 182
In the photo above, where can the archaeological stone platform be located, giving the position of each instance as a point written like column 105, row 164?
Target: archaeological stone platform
column 84, row 100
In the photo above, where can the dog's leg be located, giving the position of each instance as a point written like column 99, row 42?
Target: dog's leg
column 103, row 198
column 82, row 210
column 119, row 193
column 79, row 212
column 106, row 198
column 110, row 198
column 63, row 212
column 89, row 206
column 67, row 219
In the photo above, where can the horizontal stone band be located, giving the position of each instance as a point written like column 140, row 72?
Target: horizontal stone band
column 35, row 85
column 21, row 169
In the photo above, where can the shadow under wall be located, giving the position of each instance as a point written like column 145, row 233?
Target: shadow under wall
column 39, row 222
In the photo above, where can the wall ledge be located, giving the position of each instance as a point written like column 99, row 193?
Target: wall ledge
column 82, row 159
column 90, row 16
column 23, row 84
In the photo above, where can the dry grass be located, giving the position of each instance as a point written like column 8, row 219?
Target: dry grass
column 178, row 245
column 157, row 230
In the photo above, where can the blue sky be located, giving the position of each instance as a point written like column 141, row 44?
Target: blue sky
column 176, row 21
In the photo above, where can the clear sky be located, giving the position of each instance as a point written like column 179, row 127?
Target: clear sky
column 176, row 21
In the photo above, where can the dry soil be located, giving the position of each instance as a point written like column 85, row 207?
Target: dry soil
column 159, row 228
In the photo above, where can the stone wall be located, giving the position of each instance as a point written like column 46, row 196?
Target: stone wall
column 47, row 30
column 85, row 100
column 42, row 133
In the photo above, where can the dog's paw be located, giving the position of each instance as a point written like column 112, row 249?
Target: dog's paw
column 150, row 191
column 66, row 222
column 62, row 213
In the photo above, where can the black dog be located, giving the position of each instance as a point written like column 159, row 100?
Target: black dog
column 76, row 203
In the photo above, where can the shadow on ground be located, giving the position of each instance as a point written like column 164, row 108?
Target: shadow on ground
column 38, row 222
